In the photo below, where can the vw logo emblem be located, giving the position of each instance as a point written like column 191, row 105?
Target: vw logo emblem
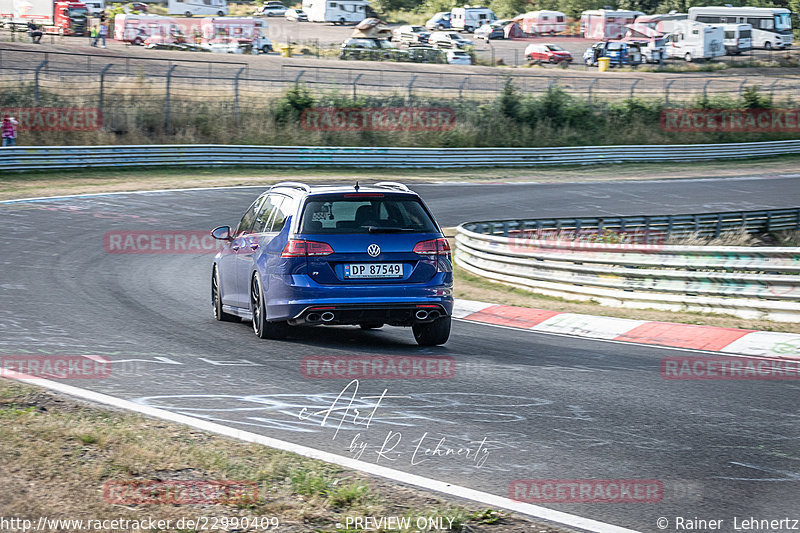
column 373, row 250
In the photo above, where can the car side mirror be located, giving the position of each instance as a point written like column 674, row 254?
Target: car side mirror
column 222, row 233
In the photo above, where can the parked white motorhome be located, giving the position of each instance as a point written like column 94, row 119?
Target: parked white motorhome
column 738, row 38
column 606, row 24
column 468, row 18
column 692, row 40
column 772, row 26
column 336, row 11
column 198, row 7
column 539, row 22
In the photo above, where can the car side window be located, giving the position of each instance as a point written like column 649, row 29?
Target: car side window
column 284, row 211
column 263, row 222
column 246, row 224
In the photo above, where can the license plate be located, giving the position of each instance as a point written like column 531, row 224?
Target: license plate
column 373, row 270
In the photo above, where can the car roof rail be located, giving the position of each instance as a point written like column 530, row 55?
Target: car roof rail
column 392, row 185
column 292, row 185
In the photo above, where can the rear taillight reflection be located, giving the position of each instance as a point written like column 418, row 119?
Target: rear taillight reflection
column 433, row 247
column 303, row 248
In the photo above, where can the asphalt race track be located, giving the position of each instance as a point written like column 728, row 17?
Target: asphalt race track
column 548, row 407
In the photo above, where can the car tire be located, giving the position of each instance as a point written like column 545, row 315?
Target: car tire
column 266, row 49
column 220, row 14
column 688, row 57
column 263, row 328
column 371, row 325
column 588, row 62
column 767, row 45
column 188, row 14
column 216, row 300
column 138, row 41
column 432, row 333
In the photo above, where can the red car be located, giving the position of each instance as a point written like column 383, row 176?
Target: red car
column 547, row 53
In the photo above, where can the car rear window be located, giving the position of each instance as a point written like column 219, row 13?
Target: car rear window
column 365, row 213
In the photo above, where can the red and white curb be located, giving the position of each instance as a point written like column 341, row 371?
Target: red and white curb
column 688, row 336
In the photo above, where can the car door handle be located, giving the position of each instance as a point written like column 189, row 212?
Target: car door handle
column 254, row 246
column 235, row 247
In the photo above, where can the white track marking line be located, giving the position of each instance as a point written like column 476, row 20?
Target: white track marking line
column 528, row 509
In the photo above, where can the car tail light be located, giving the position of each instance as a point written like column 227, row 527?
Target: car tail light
column 433, row 247
column 303, row 248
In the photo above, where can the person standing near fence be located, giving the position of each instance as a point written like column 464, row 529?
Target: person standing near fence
column 35, row 33
column 9, row 130
column 93, row 34
column 102, row 31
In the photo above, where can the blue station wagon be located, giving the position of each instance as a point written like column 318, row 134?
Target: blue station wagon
column 335, row 255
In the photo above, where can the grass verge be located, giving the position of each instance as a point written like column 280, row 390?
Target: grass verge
column 471, row 287
column 51, row 183
column 59, row 452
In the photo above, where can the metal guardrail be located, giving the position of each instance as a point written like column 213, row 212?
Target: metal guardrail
column 646, row 229
column 207, row 155
column 760, row 282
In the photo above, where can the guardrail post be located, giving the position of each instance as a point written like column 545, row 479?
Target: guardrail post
column 705, row 89
column 772, row 89
column 236, row 95
column 410, row 86
column 168, row 110
column 461, row 88
column 633, row 86
column 355, row 82
column 769, row 221
column 102, row 86
column 591, row 86
column 718, row 227
column 666, row 91
column 36, row 81
column 552, row 83
column 297, row 79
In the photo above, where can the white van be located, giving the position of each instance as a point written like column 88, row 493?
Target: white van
column 469, row 18
column 738, row 38
column 198, row 7
column 693, row 40
column 336, row 11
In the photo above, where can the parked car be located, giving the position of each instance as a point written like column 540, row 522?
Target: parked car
column 272, row 9
column 335, row 255
column 547, row 53
column 141, row 7
column 224, row 45
column 370, row 50
column 411, row 34
column 490, row 31
column 296, row 15
column 425, row 54
column 618, row 53
column 458, row 57
column 440, row 21
column 448, row 39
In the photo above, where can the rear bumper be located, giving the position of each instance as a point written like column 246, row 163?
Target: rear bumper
column 392, row 314
column 292, row 297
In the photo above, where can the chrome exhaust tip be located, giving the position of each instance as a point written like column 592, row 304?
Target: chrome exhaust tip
column 327, row 316
column 421, row 315
column 433, row 315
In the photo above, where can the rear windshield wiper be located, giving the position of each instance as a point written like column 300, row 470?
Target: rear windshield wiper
column 380, row 229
